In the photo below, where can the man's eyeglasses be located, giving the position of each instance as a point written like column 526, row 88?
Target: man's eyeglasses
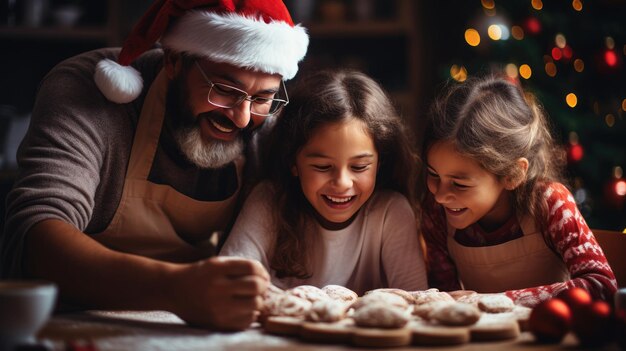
column 226, row 96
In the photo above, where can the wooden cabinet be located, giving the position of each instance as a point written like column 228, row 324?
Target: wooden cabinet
column 31, row 48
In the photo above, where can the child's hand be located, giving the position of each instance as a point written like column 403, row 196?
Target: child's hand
column 220, row 292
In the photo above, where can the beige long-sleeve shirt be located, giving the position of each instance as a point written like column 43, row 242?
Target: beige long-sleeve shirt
column 380, row 248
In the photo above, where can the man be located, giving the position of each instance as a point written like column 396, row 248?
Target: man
column 126, row 171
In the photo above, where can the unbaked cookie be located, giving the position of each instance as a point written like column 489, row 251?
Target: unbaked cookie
column 308, row 292
column 289, row 306
column 456, row 314
column 495, row 303
column 402, row 293
column 389, row 299
column 340, row 293
column 271, row 298
column 425, row 310
column 430, row 295
column 458, row 294
column 328, row 311
column 380, row 315
column 471, row 299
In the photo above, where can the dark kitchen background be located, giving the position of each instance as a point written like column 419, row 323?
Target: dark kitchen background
column 571, row 54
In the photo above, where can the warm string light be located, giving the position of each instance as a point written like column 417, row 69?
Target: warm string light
column 576, row 151
column 458, row 73
column 620, row 183
column 571, row 99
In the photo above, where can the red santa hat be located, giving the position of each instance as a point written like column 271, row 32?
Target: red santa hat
column 254, row 34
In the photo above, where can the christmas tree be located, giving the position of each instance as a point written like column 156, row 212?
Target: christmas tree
column 571, row 56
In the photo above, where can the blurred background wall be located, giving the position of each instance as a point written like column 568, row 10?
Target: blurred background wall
column 571, row 54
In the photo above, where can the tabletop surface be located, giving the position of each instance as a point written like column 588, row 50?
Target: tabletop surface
column 157, row 330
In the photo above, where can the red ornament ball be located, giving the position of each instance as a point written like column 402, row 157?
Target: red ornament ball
column 550, row 321
column 575, row 298
column 593, row 324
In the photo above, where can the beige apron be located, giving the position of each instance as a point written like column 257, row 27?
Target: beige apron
column 517, row 264
column 152, row 219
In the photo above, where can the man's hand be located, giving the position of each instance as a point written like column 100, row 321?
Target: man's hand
column 220, row 292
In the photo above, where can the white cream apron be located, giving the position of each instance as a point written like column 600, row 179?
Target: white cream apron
column 517, row 264
column 152, row 219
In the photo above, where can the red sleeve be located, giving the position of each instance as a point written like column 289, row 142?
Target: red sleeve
column 442, row 272
column 575, row 243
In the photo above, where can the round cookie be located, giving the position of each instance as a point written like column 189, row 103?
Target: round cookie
column 495, row 303
column 389, row 299
column 457, row 294
column 271, row 299
column 340, row 293
column 289, row 306
column 425, row 310
column 380, row 315
column 430, row 295
column 471, row 299
column 456, row 314
column 402, row 293
column 308, row 292
column 327, row 311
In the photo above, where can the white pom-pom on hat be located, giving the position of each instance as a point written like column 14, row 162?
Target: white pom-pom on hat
column 118, row 83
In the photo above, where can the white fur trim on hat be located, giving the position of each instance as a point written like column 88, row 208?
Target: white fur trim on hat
column 274, row 47
column 118, row 83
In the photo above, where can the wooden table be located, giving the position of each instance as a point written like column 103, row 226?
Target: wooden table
column 139, row 331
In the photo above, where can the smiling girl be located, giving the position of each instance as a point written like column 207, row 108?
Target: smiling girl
column 338, row 207
column 497, row 218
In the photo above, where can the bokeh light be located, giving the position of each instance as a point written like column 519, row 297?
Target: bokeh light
column 525, row 71
column 536, row 4
column 579, row 65
column 511, row 71
column 494, row 32
column 533, row 26
column 609, row 119
column 576, row 152
column 560, row 41
column 550, row 69
column 517, row 32
column 488, row 4
column 472, row 37
column 577, row 5
column 571, row 99
column 458, row 73
column 620, row 187
column 567, row 52
column 609, row 42
column 610, row 57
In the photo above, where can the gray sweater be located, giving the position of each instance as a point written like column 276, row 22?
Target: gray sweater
column 74, row 156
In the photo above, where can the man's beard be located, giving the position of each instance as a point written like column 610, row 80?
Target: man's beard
column 186, row 132
column 206, row 154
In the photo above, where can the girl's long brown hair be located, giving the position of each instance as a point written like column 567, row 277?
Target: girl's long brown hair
column 321, row 98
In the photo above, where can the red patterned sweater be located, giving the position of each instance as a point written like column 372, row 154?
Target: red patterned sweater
column 567, row 231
